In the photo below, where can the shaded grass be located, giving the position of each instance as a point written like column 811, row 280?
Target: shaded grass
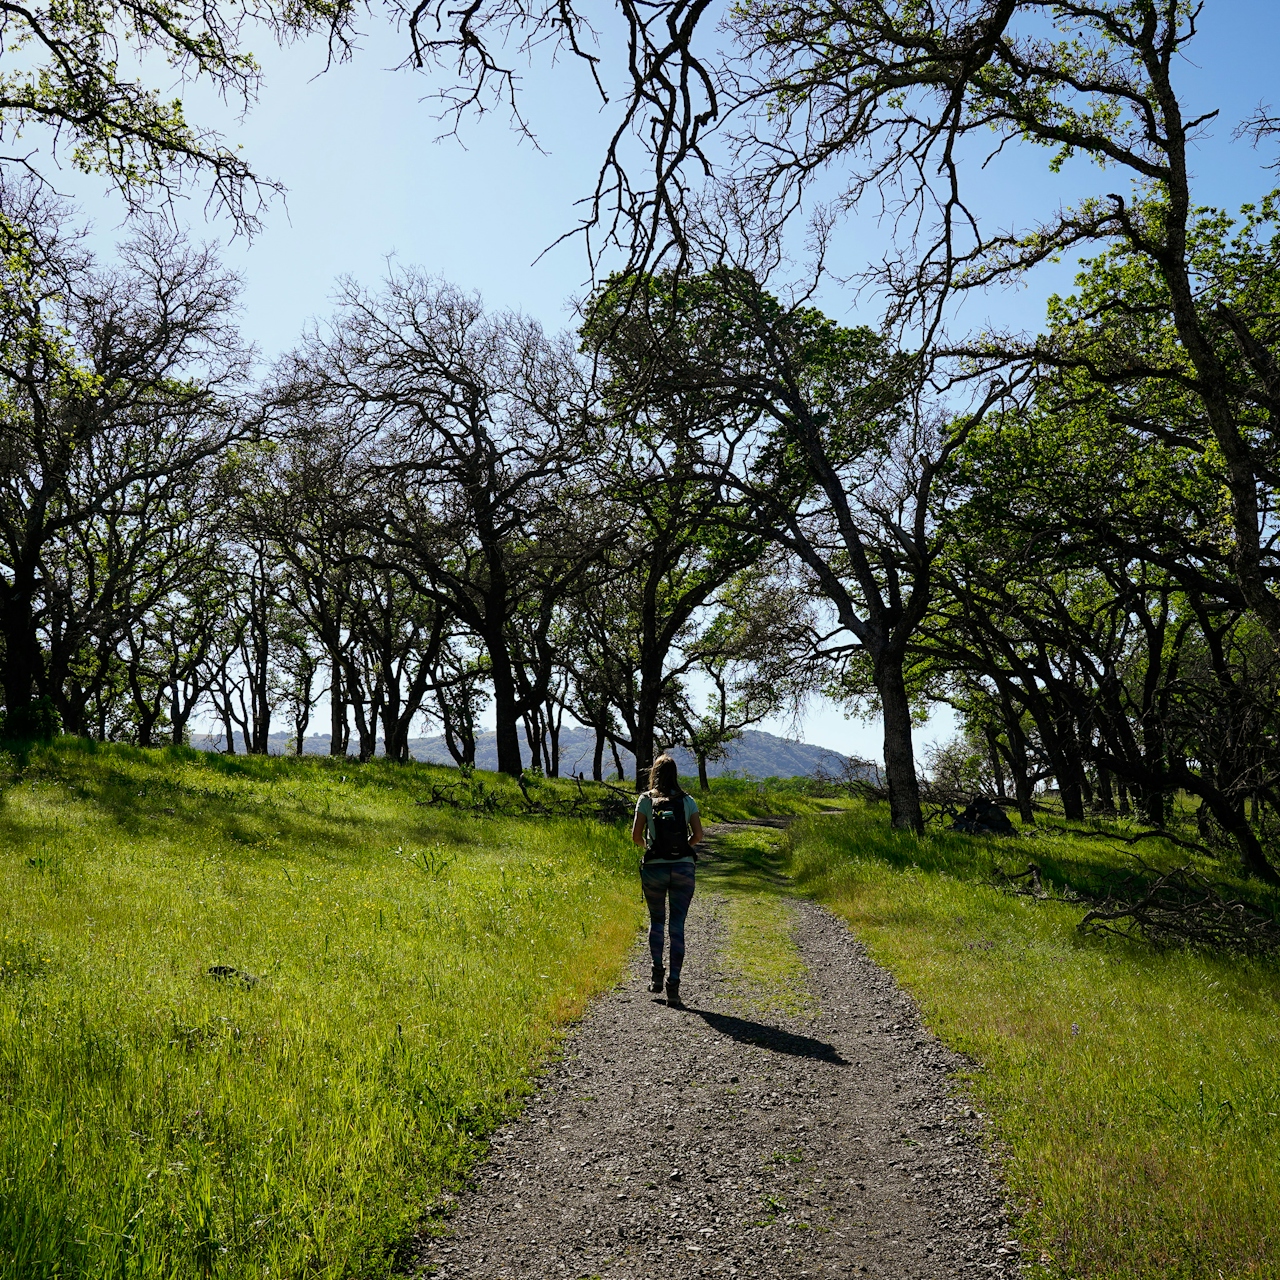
column 1135, row 1094
column 413, row 966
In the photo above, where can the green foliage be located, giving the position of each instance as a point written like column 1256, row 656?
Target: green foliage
column 72, row 78
column 1133, row 1093
column 714, row 351
column 1122, row 360
column 1092, row 573
column 412, row 966
column 38, row 721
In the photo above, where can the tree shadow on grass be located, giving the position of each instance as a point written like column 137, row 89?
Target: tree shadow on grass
column 775, row 1039
column 727, row 863
column 1088, row 867
column 196, row 801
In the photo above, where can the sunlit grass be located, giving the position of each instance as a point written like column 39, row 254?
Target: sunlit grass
column 733, row 799
column 411, row 964
column 1135, row 1094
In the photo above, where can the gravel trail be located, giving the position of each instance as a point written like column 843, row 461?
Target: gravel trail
column 717, row 1140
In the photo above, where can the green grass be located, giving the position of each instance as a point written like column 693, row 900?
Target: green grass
column 1135, row 1094
column 414, row 967
column 415, row 964
column 735, row 799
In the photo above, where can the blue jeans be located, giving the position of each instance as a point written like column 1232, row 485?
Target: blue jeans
column 673, row 881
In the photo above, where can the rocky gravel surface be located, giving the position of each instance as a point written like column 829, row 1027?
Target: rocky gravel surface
column 715, row 1140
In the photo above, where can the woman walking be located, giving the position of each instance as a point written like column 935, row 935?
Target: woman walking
column 667, row 827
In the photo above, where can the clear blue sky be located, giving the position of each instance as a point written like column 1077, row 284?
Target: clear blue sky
column 355, row 147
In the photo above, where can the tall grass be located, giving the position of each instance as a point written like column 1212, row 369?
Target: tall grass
column 1135, row 1094
column 398, row 972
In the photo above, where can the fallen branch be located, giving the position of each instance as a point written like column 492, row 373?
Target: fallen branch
column 1155, row 833
column 1181, row 908
column 1026, row 882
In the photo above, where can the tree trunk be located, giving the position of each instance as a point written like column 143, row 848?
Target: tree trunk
column 147, row 725
column 703, row 783
column 1069, row 768
column 1086, row 788
column 1230, row 815
column 1204, row 821
column 506, row 714
column 337, row 707
column 1154, row 760
column 597, row 759
column 642, row 738
column 366, row 728
column 1153, row 806
column 554, row 722
column 390, row 711
column 899, row 758
column 1072, row 799
column 997, row 765
column 642, row 746
column 262, row 711
column 23, row 666
column 1018, row 767
column 533, row 737
column 365, row 710
column 1106, row 801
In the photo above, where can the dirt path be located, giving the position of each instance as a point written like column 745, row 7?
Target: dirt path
column 799, row 1127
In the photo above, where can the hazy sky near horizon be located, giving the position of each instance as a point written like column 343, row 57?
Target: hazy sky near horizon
column 368, row 182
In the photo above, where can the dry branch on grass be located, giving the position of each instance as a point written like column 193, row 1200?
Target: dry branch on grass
column 1182, row 908
column 470, row 795
column 1178, row 908
column 1027, row 883
column 858, row 779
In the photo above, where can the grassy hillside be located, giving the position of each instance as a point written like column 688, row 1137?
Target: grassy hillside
column 394, row 971
column 406, row 969
column 1135, row 1093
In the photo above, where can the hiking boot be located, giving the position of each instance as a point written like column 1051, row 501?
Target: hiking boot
column 673, row 993
column 655, row 982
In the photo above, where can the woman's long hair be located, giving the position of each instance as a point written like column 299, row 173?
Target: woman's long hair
column 664, row 778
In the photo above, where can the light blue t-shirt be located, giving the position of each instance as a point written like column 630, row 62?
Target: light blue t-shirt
column 644, row 809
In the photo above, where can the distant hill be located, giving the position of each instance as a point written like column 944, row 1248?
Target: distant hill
column 760, row 754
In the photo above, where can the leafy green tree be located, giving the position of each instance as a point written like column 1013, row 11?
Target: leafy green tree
column 120, row 389
column 1113, row 355
column 818, row 431
column 899, row 94
column 639, row 622
column 1066, row 593
column 166, row 654
column 467, row 433
column 757, row 657
column 65, row 74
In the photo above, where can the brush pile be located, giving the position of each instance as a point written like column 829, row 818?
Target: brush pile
column 1181, row 908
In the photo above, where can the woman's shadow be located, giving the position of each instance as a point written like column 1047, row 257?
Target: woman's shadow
column 775, row 1039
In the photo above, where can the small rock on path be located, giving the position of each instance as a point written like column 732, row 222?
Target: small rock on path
column 718, row 1141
